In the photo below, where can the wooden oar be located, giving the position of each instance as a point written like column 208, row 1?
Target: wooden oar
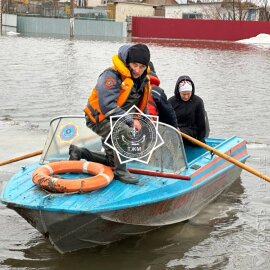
column 36, row 153
column 228, row 158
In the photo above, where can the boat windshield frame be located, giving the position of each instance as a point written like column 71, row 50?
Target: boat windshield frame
column 71, row 129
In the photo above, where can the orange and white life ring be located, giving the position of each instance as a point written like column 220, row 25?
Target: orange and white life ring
column 44, row 176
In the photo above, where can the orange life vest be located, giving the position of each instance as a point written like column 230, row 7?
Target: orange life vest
column 92, row 108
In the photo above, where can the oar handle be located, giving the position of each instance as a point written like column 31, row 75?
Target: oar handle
column 226, row 157
column 36, row 153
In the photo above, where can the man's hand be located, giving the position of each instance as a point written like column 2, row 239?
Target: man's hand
column 137, row 125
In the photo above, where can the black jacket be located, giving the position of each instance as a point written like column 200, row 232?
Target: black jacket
column 191, row 116
column 166, row 113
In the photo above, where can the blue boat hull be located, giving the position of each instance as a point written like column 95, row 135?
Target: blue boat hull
column 70, row 232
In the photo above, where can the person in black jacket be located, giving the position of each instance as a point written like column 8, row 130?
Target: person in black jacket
column 158, row 103
column 189, row 109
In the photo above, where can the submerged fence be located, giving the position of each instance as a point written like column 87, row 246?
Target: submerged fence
column 61, row 26
column 143, row 27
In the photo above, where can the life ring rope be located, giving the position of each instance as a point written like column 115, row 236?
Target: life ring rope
column 44, row 176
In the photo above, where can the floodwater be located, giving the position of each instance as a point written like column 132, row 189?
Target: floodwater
column 41, row 78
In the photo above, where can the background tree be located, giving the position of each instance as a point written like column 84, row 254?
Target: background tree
column 265, row 10
column 235, row 9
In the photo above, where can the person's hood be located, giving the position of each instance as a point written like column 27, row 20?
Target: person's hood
column 123, row 52
column 180, row 79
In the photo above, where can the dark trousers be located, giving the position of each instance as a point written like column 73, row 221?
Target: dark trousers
column 103, row 129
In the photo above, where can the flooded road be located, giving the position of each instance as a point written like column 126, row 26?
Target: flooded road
column 41, row 78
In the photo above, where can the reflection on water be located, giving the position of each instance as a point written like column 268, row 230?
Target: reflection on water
column 198, row 44
column 80, row 37
column 41, row 78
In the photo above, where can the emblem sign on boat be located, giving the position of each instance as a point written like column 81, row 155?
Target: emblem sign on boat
column 68, row 132
column 131, row 143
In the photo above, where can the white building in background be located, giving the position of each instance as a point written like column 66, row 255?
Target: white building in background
column 179, row 2
column 94, row 3
column 192, row 11
column 214, row 11
column 129, row 9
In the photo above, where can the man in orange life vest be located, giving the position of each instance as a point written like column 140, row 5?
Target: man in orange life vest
column 158, row 103
column 118, row 89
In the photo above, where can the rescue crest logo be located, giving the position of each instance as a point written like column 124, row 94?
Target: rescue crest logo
column 131, row 143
